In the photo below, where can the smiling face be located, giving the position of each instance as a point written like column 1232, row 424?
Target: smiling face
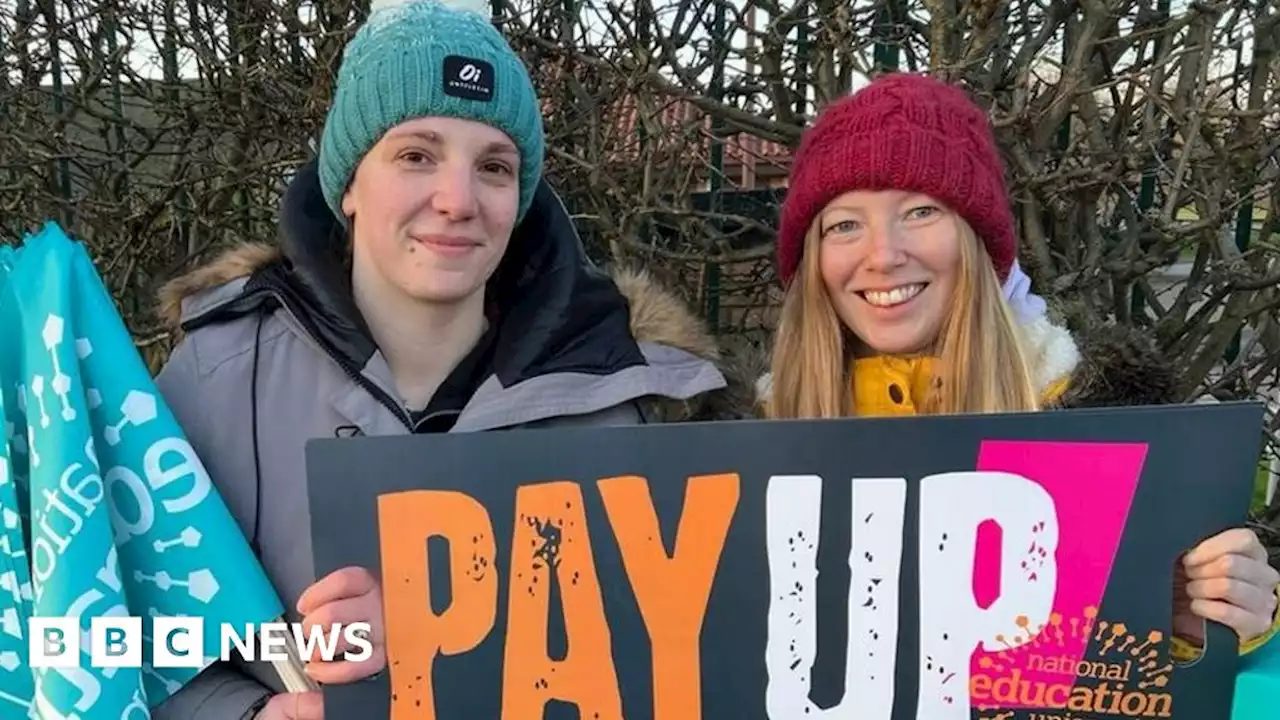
column 433, row 206
column 890, row 261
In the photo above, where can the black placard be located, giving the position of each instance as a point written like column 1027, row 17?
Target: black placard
column 878, row 565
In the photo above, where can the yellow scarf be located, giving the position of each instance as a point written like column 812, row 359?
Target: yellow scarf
column 891, row 385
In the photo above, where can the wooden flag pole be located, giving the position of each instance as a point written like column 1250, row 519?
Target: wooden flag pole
column 292, row 671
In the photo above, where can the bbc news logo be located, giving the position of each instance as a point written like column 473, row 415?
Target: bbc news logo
column 178, row 642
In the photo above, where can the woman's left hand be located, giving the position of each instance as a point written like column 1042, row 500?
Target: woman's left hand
column 1226, row 579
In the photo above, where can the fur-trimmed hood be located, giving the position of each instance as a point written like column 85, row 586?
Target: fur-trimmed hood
column 1120, row 366
column 1106, row 366
column 234, row 264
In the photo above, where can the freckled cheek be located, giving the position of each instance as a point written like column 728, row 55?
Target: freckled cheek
column 945, row 268
column 934, row 316
column 387, row 205
column 499, row 222
column 499, row 213
column 839, row 265
column 940, row 252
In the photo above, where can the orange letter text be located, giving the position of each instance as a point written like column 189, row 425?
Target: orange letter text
column 672, row 591
column 415, row 634
column 551, row 536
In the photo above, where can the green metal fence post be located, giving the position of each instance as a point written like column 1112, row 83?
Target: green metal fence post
column 1244, row 234
column 712, row 270
column 1147, row 189
column 885, row 53
column 62, row 170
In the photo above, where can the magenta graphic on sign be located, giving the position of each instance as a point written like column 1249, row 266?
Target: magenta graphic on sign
column 1092, row 487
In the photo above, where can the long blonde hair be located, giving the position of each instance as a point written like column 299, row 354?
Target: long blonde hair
column 980, row 361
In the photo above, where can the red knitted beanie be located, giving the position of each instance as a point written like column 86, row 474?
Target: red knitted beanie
column 901, row 132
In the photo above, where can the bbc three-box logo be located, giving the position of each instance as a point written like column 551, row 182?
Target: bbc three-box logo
column 179, row 642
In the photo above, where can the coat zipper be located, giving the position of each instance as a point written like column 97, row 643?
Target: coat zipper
column 433, row 416
column 353, row 373
column 357, row 377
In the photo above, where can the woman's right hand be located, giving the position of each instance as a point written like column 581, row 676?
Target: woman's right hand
column 345, row 596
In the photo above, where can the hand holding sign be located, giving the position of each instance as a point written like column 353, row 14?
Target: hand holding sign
column 345, row 596
column 1226, row 579
column 293, row 706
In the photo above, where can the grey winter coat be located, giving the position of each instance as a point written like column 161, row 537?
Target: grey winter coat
column 273, row 354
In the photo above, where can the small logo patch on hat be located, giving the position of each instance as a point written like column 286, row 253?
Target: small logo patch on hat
column 468, row 78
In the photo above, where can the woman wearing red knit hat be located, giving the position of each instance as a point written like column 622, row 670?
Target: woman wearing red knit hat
column 897, row 249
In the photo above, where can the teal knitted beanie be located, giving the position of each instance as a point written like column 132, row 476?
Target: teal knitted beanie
column 428, row 58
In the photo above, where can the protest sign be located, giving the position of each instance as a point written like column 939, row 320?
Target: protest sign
column 1000, row 567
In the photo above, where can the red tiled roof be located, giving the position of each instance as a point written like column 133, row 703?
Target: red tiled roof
column 676, row 116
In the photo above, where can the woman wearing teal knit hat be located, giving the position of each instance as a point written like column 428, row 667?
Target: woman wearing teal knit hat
column 427, row 280
column 412, row 60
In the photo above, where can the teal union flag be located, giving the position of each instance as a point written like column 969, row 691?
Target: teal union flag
column 105, row 508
